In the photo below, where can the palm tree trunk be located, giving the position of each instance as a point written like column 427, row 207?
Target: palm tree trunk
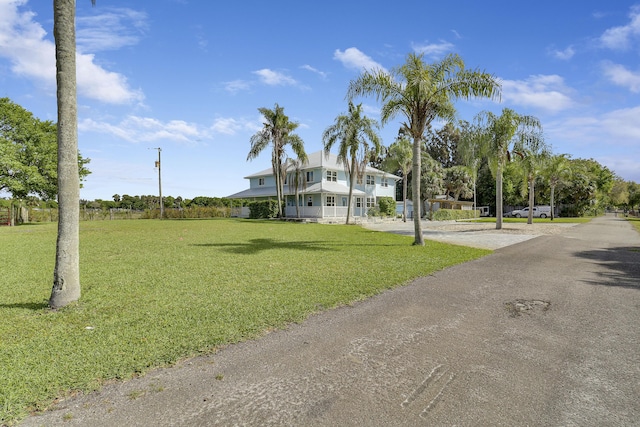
column 66, row 275
column 531, row 200
column 404, row 198
column 499, row 198
column 415, row 185
column 553, row 208
column 352, row 183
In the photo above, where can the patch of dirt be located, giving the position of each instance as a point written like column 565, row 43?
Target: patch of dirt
column 518, row 307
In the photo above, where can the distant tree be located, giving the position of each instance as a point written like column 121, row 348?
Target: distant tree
column 420, row 93
column 431, row 179
column 634, row 194
column 399, row 159
column 556, row 171
column 357, row 141
column 297, row 180
column 278, row 131
column 442, row 145
column 499, row 137
column 458, row 182
column 532, row 163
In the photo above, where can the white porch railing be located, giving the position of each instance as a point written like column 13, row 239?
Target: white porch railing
column 310, row 212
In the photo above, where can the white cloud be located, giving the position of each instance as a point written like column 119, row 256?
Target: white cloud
column 146, row 129
column 545, row 92
column 357, row 60
column 433, row 49
column 237, row 86
column 231, row 126
column 620, row 38
column 110, row 30
column 274, row 78
column 314, row 70
column 621, row 76
column 31, row 53
column 565, row 54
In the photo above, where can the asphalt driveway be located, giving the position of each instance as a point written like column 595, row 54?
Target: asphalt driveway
column 542, row 332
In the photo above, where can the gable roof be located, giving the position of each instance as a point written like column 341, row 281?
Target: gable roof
column 319, row 160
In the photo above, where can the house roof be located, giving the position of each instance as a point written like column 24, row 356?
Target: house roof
column 318, row 187
column 319, row 160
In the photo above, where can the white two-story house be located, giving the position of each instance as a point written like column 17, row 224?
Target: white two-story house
column 325, row 193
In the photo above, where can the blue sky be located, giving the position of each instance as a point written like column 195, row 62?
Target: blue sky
column 189, row 76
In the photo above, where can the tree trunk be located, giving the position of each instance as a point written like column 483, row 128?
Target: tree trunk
column 499, row 198
column 553, row 188
column 531, row 200
column 66, row 276
column 352, row 179
column 404, row 197
column 415, row 186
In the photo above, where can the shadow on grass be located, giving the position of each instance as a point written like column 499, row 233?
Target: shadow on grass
column 35, row 306
column 622, row 266
column 255, row 246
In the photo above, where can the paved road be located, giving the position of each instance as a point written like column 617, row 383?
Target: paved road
column 542, row 333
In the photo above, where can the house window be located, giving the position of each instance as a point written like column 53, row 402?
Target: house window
column 309, row 176
column 384, row 182
column 359, row 179
column 332, row 176
column 358, row 202
column 310, row 201
column 331, row 201
column 345, row 201
column 371, row 180
column 371, row 202
column 260, row 181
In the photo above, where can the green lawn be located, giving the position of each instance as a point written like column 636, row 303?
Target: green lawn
column 635, row 222
column 537, row 220
column 154, row 292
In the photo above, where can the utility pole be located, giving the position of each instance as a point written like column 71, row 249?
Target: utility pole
column 160, row 181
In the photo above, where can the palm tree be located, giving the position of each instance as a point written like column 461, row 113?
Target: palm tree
column 499, row 137
column 358, row 141
column 532, row 162
column 557, row 169
column 278, row 131
column 66, row 274
column 296, row 179
column 400, row 158
column 420, row 93
column 469, row 149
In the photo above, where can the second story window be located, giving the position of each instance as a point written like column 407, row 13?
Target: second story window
column 260, row 181
column 310, row 176
column 332, row 176
column 384, row 182
column 371, row 180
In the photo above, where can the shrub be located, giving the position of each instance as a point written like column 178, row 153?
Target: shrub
column 387, row 206
column 263, row 209
column 452, row 214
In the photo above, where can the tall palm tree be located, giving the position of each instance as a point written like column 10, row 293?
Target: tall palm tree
column 66, row 275
column 358, row 141
column 297, row 181
column 400, row 158
column 500, row 137
column 557, row 169
column 420, row 93
column 278, row 131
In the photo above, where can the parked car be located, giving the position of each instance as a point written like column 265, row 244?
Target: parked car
column 538, row 212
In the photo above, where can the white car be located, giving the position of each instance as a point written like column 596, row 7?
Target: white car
column 538, row 212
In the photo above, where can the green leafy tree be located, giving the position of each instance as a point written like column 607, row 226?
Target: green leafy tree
column 399, row 159
column 458, row 182
column 278, row 131
column 420, row 93
column 431, row 179
column 532, row 163
column 442, row 145
column 357, row 141
column 500, row 136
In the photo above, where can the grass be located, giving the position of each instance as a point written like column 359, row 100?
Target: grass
column 635, row 222
column 155, row 292
column 537, row 220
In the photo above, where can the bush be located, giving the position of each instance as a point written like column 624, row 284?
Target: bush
column 387, row 206
column 264, row 209
column 452, row 214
